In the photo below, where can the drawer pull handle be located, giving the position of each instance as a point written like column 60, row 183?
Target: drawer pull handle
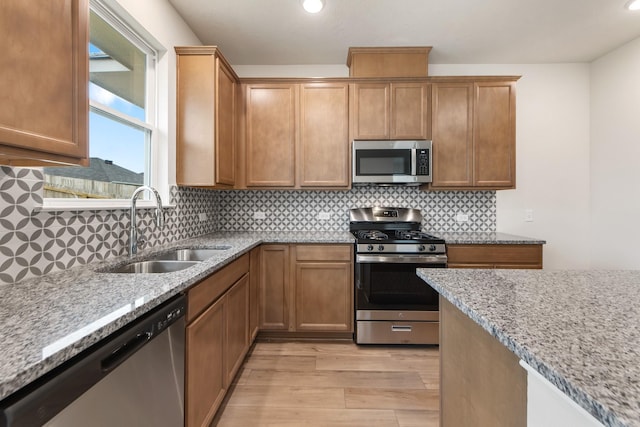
column 397, row 328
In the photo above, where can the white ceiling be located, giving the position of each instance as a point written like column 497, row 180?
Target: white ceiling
column 280, row 32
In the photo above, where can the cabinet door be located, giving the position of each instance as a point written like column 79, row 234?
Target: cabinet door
column 370, row 113
column 237, row 326
column 494, row 135
column 324, row 135
column 452, row 121
column 274, row 287
column 205, row 372
column 44, row 67
column 409, row 111
column 270, row 135
column 225, row 153
column 205, row 124
column 323, row 296
column 254, row 294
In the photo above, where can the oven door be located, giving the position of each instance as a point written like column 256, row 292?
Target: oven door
column 393, row 305
column 390, row 282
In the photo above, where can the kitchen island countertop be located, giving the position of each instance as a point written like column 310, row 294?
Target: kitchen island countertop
column 47, row 320
column 578, row 329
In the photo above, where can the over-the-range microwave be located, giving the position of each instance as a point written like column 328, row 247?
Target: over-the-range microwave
column 391, row 162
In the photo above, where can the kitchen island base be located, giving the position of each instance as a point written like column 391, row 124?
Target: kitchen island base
column 481, row 381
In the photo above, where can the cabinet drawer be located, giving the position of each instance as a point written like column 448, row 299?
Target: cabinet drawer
column 324, row 252
column 210, row 289
column 494, row 256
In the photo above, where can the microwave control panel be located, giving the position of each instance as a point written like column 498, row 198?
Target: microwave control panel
column 422, row 166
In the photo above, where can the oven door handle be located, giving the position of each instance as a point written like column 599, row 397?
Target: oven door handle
column 402, row 259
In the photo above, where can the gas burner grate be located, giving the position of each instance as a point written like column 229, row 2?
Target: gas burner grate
column 413, row 235
column 372, row 235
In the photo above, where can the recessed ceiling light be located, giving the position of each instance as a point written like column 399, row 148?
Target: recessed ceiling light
column 313, row 6
column 633, row 5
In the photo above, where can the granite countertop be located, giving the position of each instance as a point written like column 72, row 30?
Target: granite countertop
column 484, row 238
column 47, row 320
column 578, row 329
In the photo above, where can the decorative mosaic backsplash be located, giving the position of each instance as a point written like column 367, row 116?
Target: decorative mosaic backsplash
column 299, row 210
column 34, row 243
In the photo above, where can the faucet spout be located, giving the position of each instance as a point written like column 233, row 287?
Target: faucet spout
column 159, row 216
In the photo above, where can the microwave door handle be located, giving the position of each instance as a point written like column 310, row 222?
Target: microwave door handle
column 413, row 162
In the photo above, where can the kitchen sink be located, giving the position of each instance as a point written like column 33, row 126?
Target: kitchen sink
column 191, row 254
column 154, row 266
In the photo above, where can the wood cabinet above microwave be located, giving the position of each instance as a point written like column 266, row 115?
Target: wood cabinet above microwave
column 45, row 74
column 397, row 110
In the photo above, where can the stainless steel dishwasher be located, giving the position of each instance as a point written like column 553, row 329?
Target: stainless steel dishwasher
column 134, row 377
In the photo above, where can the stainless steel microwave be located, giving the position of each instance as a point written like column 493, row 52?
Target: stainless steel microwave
column 391, row 162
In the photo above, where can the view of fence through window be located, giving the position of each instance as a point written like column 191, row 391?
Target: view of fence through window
column 119, row 138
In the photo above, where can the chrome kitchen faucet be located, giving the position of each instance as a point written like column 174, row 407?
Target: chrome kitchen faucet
column 134, row 241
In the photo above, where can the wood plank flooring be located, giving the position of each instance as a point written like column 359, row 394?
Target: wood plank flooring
column 336, row 384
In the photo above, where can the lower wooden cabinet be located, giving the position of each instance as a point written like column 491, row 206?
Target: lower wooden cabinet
column 306, row 288
column 494, row 256
column 217, row 339
column 205, row 375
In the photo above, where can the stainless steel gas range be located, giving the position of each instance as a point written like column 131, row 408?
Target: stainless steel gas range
column 393, row 305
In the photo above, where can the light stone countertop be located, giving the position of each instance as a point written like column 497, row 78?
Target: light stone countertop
column 485, row 238
column 47, row 320
column 578, row 329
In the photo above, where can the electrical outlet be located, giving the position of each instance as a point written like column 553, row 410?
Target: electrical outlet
column 462, row 217
column 202, row 217
column 324, row 215
column 259, row 215
column 528, row 215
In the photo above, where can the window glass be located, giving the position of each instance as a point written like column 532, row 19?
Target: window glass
column 120, row 129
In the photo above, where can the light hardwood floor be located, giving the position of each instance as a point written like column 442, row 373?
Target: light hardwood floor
column 287, row 384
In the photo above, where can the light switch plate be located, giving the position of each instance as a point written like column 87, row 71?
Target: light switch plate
column 259, row 215
column 202, row 217
column 324, row 215
column 528, row 215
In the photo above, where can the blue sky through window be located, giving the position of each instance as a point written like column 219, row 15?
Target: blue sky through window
column 112, row 140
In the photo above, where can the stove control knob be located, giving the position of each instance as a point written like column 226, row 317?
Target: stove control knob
column 381, row 248
column 432, row 248
column 370, row 247
column 421, row 248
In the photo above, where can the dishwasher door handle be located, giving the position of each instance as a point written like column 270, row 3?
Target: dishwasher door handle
column 123, row 352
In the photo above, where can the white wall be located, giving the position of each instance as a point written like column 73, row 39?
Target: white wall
column 161, row 21
column 615, row 158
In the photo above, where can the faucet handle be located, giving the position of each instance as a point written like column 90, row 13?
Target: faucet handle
column 141, row 241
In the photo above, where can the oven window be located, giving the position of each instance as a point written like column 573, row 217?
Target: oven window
column 393, row 284
column 383, row 162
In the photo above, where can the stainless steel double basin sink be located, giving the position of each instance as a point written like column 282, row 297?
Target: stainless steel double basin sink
column 171, row 261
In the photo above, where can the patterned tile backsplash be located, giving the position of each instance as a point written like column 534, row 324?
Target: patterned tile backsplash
column 34, row 243
column 299, row 210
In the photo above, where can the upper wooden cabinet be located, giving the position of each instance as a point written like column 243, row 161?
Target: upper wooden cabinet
column 270, row 134
column 473, row 131
column 44, row 74
column 296, row 135
column 390, row 110
column 206, row 118
column 323, row 159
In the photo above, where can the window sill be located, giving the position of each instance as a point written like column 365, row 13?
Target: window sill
column 52, row 205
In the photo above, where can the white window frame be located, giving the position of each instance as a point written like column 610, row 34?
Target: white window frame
column 139, row 37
